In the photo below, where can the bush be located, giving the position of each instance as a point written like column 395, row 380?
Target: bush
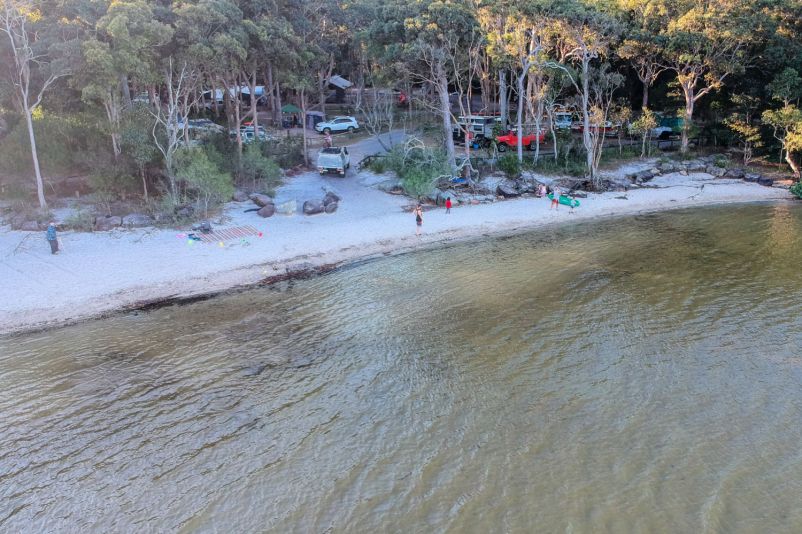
column 509, row 165
column 81, row 221
column 203, row 178
column 796, row 190
column 418, row 166
column 378, row 165
column 262, row 173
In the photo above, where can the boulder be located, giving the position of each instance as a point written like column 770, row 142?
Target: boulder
column 696, row 166
column 735, row 172
column 330, row 197
column 390, row 186
column 579, row 194
column 667, row 167
column 434, row 195
column 261, row 200
column 768, row 182
column 684, row 172
column 750, row 177
column 643, row 176
column 239, row 196
column 107, row 223
column 331, row 207
column 287, row 208
column 137, row 220
column 267, row 210
column 313, row 207
column 507, row 188
column 715, row 170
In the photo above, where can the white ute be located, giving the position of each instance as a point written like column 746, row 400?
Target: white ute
column 333, row 159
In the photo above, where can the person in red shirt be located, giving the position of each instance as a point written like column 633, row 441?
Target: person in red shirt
column 448, row 205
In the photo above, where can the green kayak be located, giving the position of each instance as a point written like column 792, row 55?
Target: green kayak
column 565, row 201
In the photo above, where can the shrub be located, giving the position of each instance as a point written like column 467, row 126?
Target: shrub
column 204, row 179
column 261, row 172
column 418, row 166
column 509, row 165
column 378, row 165
column 81, row 221
column 796, row 190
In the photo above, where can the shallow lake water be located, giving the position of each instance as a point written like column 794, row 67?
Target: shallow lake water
column 641, row 374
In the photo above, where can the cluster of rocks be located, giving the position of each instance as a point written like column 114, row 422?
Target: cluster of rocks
column 329, row 204
column 268, row 207
column 706, row 164
column 133, row 220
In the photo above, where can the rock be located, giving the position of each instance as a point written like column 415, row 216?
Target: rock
column 137, row 220
column 389, row 186
column 768, row 182
column 267, row 210
column 579, row 194
column 684, row 172
column 696, row 166
column 750, row 177
column 507, row 188
column 643, row 176
column 715, row 170
column 735, row 172
column 287, row 208
column 107, row 223
column 261, row 200
column 434, row 195
column 330, row 197
column 29, row 226
column 667, row 167
column 313, row 207
column 239, row 196
column 331, row 207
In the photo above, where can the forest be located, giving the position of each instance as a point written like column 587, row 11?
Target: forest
column 108, row 89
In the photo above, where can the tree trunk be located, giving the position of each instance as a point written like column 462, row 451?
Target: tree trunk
column 793, row 164
column 502, row 97
column 303, row 126
column 445, row 111
column 519, row 119
column 40, row 189
column 126, row 90
column 254, row 111
column 645, row 102
column 586, row 138
column 687, row 91
column 144, row 182
column 271, row 96
column 538, row 115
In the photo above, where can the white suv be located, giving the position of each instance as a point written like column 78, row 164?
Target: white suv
column 338, row 124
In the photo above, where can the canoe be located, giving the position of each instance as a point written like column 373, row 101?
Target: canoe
column 565, row 201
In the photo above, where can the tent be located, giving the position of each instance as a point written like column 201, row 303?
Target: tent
column 290, row 108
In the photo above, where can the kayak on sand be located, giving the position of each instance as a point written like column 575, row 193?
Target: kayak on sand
column 566, row 201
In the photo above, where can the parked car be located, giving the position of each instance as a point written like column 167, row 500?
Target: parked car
column 333, row 159
column 249, row 134
column 609, row 129
column 510, row 140
column 338, row 124
column 563, row 120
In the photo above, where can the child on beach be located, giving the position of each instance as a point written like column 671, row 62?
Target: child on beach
column 448, row 205
column 555, row 199
column 418, row 218
column 51, row 237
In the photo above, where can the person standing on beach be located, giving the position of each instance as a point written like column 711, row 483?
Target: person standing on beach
column 555, row 199
column 418, row 218
column 448, row 204
column 51, row 237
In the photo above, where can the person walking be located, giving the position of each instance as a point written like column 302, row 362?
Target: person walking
column 448, row 205
column 327, row 140
column 52, row 238
column 418, row 218
column 555, row 199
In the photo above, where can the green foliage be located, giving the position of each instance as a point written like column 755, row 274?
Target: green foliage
column 418, row 166
column 509, row 165
column 258, row 171
column 378, row 165
column 80, row 221
column 796, row 190
column 204, row 180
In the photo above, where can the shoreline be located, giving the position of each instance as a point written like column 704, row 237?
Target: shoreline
column 356, row 237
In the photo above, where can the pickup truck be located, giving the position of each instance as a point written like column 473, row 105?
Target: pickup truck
column 333, row 159
column 510, row 140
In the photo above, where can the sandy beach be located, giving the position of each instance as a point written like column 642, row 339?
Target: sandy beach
column 103, row 272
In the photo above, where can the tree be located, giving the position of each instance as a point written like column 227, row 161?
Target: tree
column 643, row 126
column 787, row 125
column 204, row 180
column 36, row 67
column 705, row 43
column 786, row 86
column 742, row 123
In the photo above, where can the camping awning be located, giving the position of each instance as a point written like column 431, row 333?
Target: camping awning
column 289, row 108
column 339, row 81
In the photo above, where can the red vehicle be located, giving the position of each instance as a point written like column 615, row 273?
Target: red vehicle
column 510, row 140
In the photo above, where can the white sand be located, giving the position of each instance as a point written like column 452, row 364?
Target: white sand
column 101, row 272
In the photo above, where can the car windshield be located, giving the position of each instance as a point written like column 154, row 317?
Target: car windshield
column 330, row 151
